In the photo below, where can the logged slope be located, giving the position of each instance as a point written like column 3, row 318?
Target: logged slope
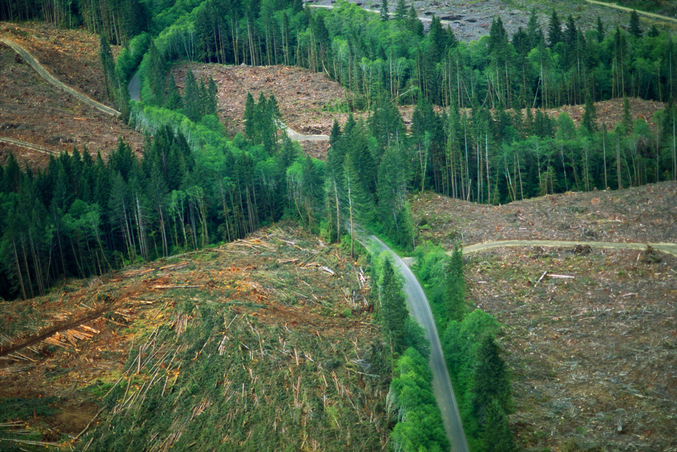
column 44, row 73
column 36, row 117
column 590, row 331
column 254, row 344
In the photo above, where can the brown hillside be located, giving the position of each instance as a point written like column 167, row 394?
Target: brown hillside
column 277, row 284
column 34, row 111
column 589, row 333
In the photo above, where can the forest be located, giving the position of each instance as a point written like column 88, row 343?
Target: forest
column 479, row 131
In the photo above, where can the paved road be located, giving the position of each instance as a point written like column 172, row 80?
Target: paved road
column 44, row 73
column 27, row 145
column 420, row 310
column 670, row 248
column 623, row 8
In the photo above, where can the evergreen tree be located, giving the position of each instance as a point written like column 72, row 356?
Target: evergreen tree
column 211, row 103
column 393, row 311
column 600, row 29
column 250, row 120
column 635, row 28
column 490, row 381
column 496, row 435
column 554, row 30
column 384, row 12
column 590, row 115
column 108, row 64
column 455, row 286
column 192, row 102
column 174, row 101
column 401, row 11
column 534, row 31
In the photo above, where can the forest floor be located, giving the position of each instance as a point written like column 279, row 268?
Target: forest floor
column 592, row 355
column 36, row 112
column 278, row 279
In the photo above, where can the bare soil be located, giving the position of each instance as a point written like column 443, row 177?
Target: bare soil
column 34, row 111
column 592, row 357
column 275, row 276
column 639, row 214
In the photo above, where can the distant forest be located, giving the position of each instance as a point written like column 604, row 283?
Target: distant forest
column 491, row 142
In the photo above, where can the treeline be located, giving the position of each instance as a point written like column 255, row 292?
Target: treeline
column 478, row 373
column 411, row 399
column 501, row 156
column 390, row 53
column 83, row 216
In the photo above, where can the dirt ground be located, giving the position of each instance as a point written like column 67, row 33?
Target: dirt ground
column 309, row 102
column 34, row 111
column 279, row 276
column 639, row 214
column 592, row 357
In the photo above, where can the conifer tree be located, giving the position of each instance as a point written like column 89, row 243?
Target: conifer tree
column 250, row 122
column 393, row 311
column 191, row 98
column 490, row 381
column 174, row 101
column 401, row 11
column 108, row 64
column 635, row 28
column 590, row 115
column 455, row 286
column 554, row 30
column 600, row 29
column 385, row 14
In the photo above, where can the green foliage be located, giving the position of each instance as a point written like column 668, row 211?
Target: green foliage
column 412, row 400
column 14, row 409
column 393, row 311
column 477, row 370
column 226, row 381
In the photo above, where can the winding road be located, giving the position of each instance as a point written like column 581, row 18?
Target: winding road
column 44, row 73
column 420, row 310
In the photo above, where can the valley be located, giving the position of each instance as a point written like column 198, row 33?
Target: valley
column 209, row 290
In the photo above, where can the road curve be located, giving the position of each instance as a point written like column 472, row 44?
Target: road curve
column 420, row 310
column 669, row 248
column 295, row 136
column 44, row 73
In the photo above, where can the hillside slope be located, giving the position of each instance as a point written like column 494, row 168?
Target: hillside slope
column 255, row 344
column 589, row 333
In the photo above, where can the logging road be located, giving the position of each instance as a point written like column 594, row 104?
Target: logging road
column 44, row 73
column 420, row 310
column 669, row 248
